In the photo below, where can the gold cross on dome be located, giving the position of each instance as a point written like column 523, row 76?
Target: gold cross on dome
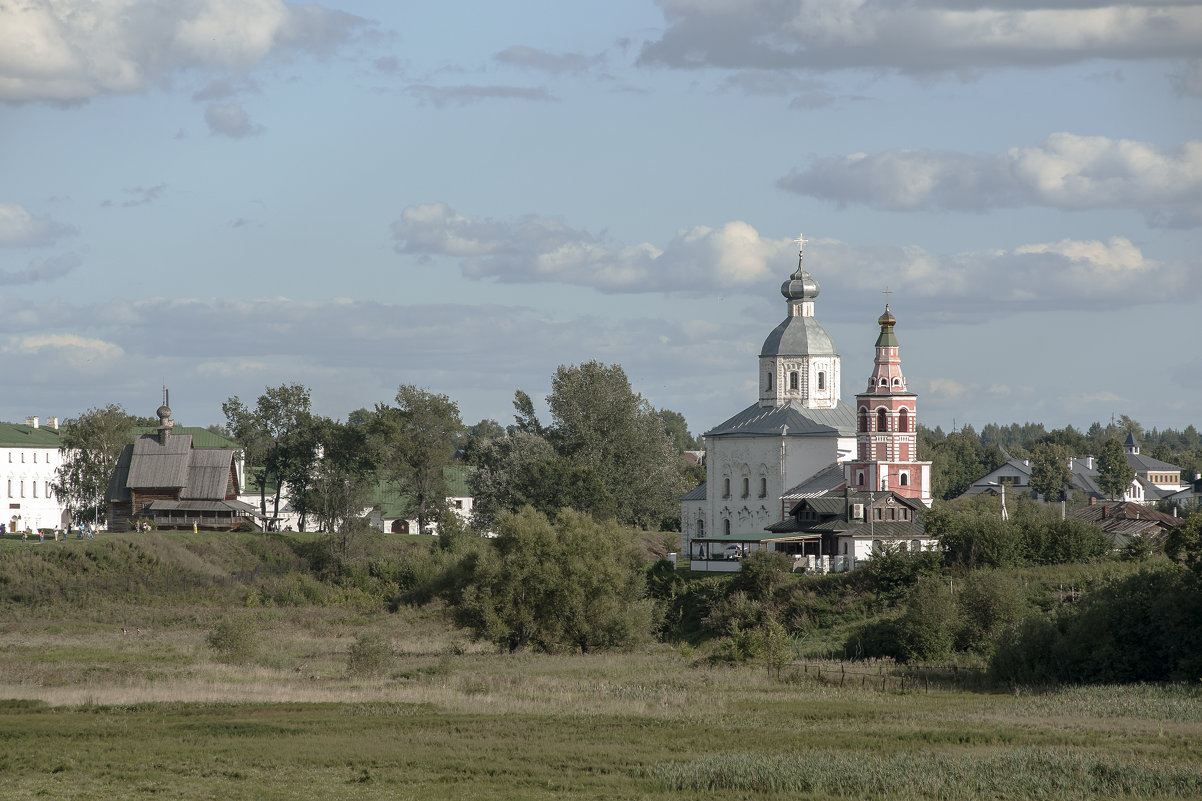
column 887, row 293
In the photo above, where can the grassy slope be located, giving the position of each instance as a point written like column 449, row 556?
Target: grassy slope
column 156, row 712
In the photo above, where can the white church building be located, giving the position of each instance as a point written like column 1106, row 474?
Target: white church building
column 801, row 440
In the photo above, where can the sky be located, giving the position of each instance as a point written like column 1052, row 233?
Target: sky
column 219, row 196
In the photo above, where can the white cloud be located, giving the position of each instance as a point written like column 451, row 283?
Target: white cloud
column 19, row 228
column 543, row 61
column 230, row 119
column 734, row 257
column 922, row 36
column 947, row 388
column 534, row 249
column 65, row 350
column 68, row 51
column 1066, row 171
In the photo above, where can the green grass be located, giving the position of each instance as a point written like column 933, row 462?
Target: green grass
column 313, row 712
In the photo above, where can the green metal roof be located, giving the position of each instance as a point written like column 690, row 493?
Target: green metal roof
column 19, row 435
column 202, row 438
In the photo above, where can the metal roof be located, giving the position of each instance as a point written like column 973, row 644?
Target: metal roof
column 828, row 478
column 17, row 435
column 799, row 336
column 793, row 418
column 697, row 494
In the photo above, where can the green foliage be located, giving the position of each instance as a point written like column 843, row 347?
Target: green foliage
column 600, row 423
column 763, row 574
column 90, row 446
column 1144, row 627
column 677, row 429
column 1184, row 543
column 234, row 639
column 575, row 584
column 989, row 603
column 958, row 460
column 776, row 647
column 1050, row 474
column 279, row 440
column 926, row 629
column 1114, row 473
column 370, row 655
column 892, row 573
column 416, row 439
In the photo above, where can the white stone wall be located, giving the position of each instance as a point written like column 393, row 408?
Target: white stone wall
column 29, row 501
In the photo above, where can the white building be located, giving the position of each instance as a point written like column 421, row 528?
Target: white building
column 29, row 455
column 798, row 426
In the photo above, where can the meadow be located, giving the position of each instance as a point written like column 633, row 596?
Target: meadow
column 112, row 687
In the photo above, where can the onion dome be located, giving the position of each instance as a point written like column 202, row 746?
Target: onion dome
column 164, row 412
column 800, row 286
column 887, row 339
column 887, row 320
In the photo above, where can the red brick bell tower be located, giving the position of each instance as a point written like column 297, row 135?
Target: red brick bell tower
column 886, row 420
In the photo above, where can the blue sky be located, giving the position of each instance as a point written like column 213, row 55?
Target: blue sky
column 222, row 195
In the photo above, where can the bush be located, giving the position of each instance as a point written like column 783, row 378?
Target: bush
column 988, row 603
column 926, row 629
column 234, row 640
column 370, row 655
column 875, row 640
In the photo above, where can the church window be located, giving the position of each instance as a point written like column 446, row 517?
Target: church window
column 726, row 488
column 860, row 478
column 904, row 479
column 915, row 545
column 821, row 380
column 701, row 527
column 767, row 382
column 746, row 486
column 884, row 382
column 794, row 380
column 22, row 489
column 903, row 421
column 863, row 419
column 763, row 487
column 726, row 526
column 897, row 382
column 882, row 421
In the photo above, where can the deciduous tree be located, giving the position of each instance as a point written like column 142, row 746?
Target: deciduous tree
column 1114, row 473
column 90, row 446
column 1050, row 474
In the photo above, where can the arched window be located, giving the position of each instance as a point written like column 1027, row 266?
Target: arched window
column 897, row 382
column 726, row 488
column 904, row 479
column 884, row 382
column 903, row 421
column 767, row 382
column 763, row 487
column 746, row 486
column 821, row 380
column 863, row 419
column 726, row 526
column 794, row 380
column 882, row 420
column 701, row 527
column 859, row 478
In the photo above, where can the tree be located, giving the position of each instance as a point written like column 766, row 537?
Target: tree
column 91, row 444
column 416, row 439
column 278, row 438
column 1184, row 543
column 574, row 583
column 341, row 484
column 1114, row 473
column 926, row 630
column 1050, row 474
column 601, row 423
column 677, row 429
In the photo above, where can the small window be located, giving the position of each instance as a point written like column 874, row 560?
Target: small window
column 884, row 382
column 33, row 486
column 903, row 421
column 726, row 527
column 701, row 527
column 763, row 487
column 767, row 382
column 859, row 478
column 904, row 479
column 882, row 420
column 916, row 546
column 876, row 514
column 876, row 544
column 821, row 380
column 35, row 457
column 746, row 487
column 794, row 380
column 726, row 488
column 863, row 419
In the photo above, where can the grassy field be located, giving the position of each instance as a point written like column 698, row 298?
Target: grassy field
column 92, row 712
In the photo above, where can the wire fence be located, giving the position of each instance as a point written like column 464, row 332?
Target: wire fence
column 889, row 675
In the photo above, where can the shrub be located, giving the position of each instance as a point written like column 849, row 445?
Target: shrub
column 370, row 655
column 988, row 603
column 925, row 630
column 234, row 640
column 875, row 640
